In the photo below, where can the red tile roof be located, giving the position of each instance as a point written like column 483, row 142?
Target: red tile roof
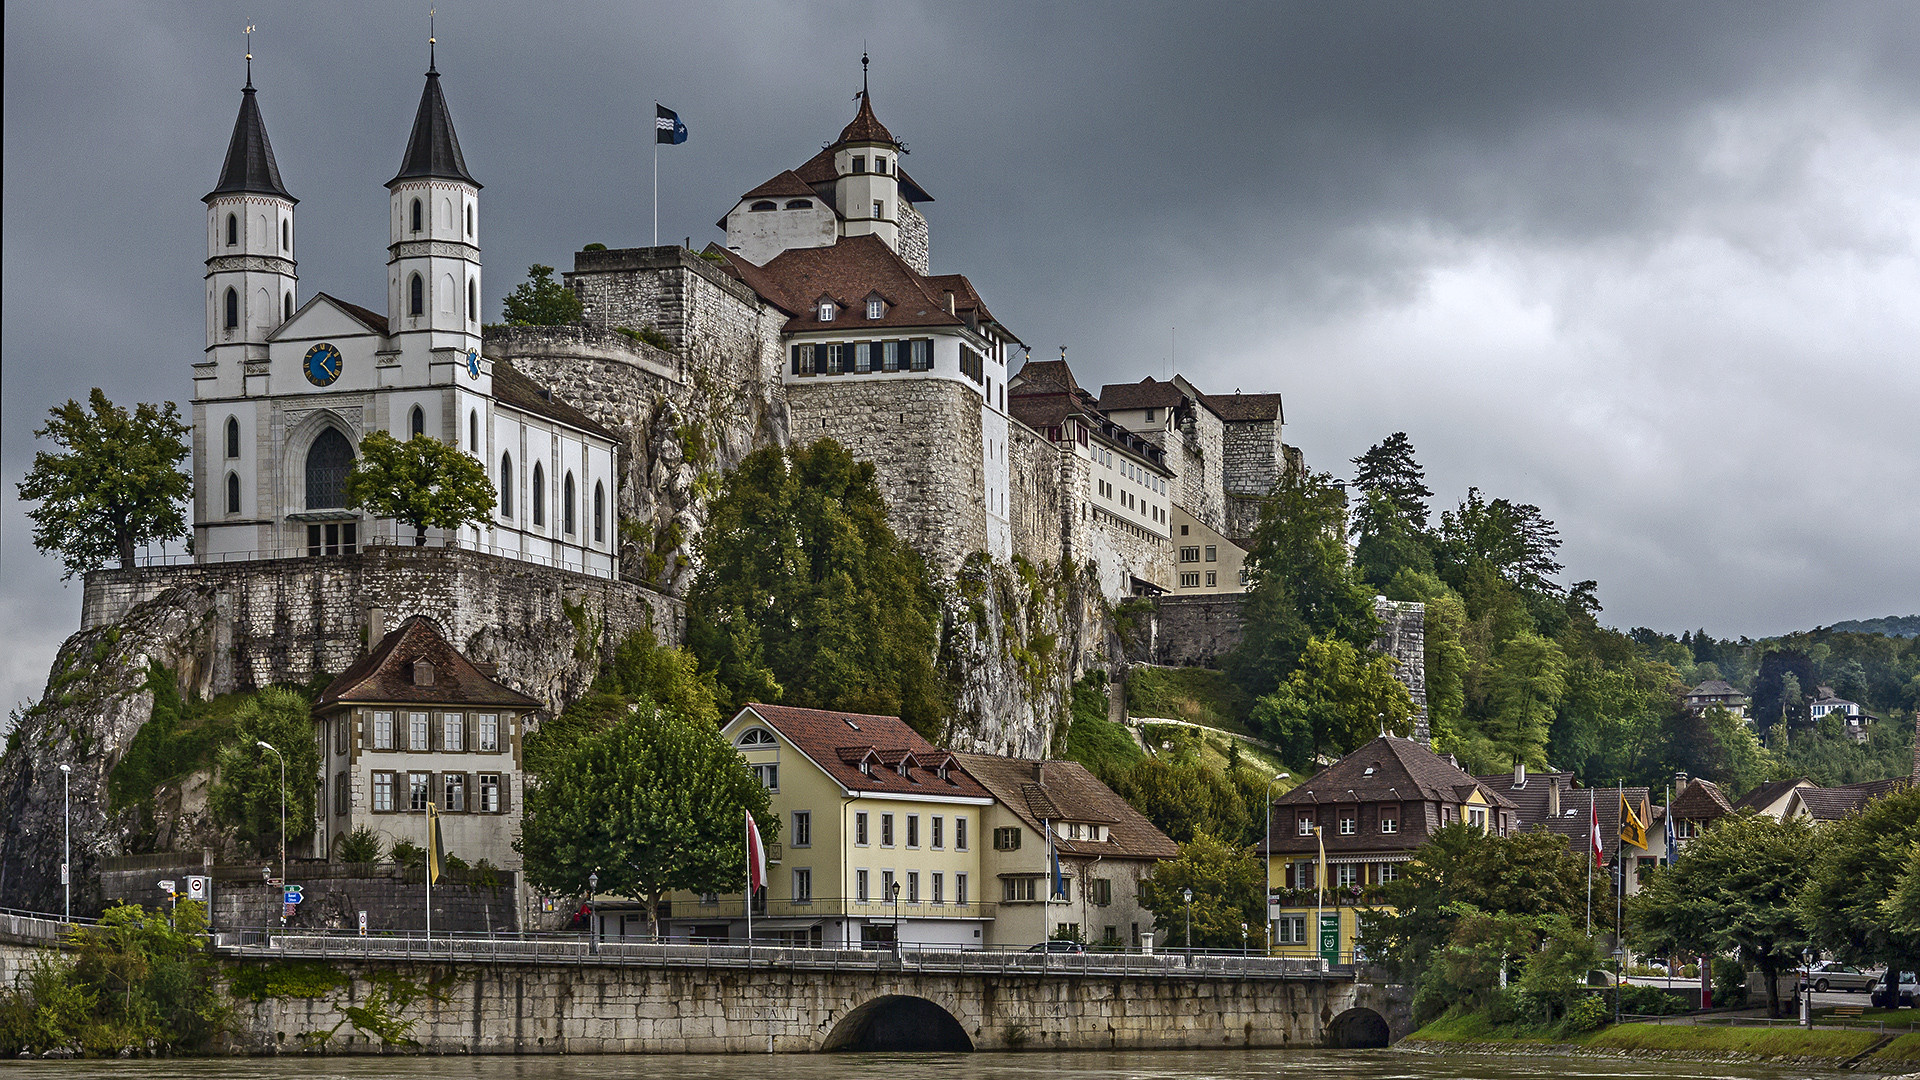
column 838, row 741
column 786, row 184
column 386, row 674
column 1148, row 393
column 1766, row 793
column 1245, row 408
column 1037, row 792
column 866, row 127
column 512, row 388
column 847, row 273
column 1701, row 800
column 1390, row 769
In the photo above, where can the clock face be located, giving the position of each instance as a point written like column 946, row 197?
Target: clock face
column 473, row 363
column 322, row 365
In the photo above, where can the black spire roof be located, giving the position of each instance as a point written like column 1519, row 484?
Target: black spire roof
column 250, row 166
column 434, row 150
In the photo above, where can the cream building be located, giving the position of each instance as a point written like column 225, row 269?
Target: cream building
column 1205, row 560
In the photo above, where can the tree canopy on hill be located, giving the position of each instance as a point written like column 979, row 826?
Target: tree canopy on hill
column 806, row 597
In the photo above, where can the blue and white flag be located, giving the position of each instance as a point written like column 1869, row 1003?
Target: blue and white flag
column 667, row 127
column 1053, row 853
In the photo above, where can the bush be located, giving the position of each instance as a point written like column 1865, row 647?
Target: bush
column 360, row 845
column 1729, row 982
column 409, row 854
column 1588, row 1012
column 1650, row 1001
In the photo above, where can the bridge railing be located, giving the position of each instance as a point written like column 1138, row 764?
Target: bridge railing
column 36, row 925
column 576, row 949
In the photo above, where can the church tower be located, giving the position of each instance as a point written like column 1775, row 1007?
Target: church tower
column 250, row 265
column 433, row 265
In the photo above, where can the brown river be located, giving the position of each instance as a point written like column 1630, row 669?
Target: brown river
column 1146, row 1065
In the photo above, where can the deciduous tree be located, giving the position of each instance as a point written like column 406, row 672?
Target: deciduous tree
column 1337, row 698
column 541, row 301
column 422, row 482
column 247, row 794
column 1861, row 863
column 1228, row 883
column 114, row 486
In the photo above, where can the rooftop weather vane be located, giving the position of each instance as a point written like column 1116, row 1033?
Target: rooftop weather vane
column 249, row 33
column 863, row 76
column 430, row 40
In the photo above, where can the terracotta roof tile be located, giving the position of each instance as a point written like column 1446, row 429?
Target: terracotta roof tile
column 1767, row 793
column 367, row 317
column 1029, row 788
column 830, row 738
column 386, row 674
column 1148, row 393
column 1577, row 827
column 512, row 388
column 786, row 184
column 796, row 279
column 866, row 127
column 1534, row 798
column 1245, row 408
column 1035, row 375
column 1386, row 769
column 1701, row 800
column 1832, row 804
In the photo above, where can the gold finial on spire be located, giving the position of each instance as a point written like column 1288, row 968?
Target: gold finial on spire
column 249, row 33
column 1063, row 353
column 431, row 40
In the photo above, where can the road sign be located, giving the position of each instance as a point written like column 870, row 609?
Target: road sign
column 197, row 886
column 63, row 873
column 288, row 913
column 1330, row 938
column 292, row 897
column 167, row 885
column 293, row 888
column 363, row 924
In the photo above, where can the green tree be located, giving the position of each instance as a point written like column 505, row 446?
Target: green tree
column 541, row 301
column 1733, row 889
column 247, row 794
column 1302, row 583
column 1512, row 540
column 806, row 597
column 1338, row 698
column 1228, row 883
column 422, row 482
column 1525, row 685
column 1861, row 863
column 1532, row 873
column 1186, row 799
column 1390, row 525
column 654, row 802
column 113, row 487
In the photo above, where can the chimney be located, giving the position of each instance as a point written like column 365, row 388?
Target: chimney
column 1519, row 775
column 1553, row 797
column 950, row 307
column 1679, row 779
column 376, row 625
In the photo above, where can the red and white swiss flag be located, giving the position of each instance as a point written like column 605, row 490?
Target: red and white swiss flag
column 757, row 856
column 1593, row 812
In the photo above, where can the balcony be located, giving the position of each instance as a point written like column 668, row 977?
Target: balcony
column 837, row 907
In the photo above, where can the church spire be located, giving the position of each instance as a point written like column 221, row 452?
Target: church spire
column 249, row 166
column 433, row 150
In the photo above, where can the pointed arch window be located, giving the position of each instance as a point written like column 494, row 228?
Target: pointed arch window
column 416, row 215
column 233, row 436
column 566, row 508
column 286, row 236
column 599, row 512
column 233, row 229
column 328, row 460
column 233, row 310
column 416, row 422
column 506, row 486
column 473, row 299
column 416, row 295
column 288, row 307
column 539, row 494
column 469, row 221
column 473, row 431
column 233, row 493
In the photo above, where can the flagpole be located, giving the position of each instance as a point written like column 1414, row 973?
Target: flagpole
column 1593, row 825
column 430, row 857
column 748, row 823
column 656, row 187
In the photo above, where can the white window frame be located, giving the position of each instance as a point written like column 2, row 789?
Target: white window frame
column 876, row 308
column 383, row 731
column 802, row 834
column 487, row 732
column 453, row 732
column 419, row 731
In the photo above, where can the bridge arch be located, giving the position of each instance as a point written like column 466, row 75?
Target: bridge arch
column 1358, row 1029
column 897, row 1022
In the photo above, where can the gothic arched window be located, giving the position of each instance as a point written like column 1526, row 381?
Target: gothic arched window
column 599, row 512
column 416, row 295
column 286, row 236
column 416, row 422
column 506, row 486
column 233, row 229
column 328, row 460
column 566, row 508
column 473, row 431
column 539, row 495
column 416, row 215
column 473, row 299
column 233, row 493
column 233, row 437
column 233, row 310
column 289, row 307
column 469, row 221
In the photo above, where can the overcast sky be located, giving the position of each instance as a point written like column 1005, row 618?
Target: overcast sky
column 1653, row 267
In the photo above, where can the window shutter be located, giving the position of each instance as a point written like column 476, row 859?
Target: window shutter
column 433, row 736
column 366, row 729
column 796, row 359
column 506, row 791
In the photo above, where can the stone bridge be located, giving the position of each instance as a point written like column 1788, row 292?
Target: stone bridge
column 694, row 999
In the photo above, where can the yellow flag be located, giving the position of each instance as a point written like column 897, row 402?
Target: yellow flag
column 1632, row 830
column 434, row 848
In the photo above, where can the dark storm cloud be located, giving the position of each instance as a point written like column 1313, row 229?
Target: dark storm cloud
column 1650, row 266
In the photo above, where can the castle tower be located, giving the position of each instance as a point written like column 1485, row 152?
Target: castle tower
column 250, row 265
column 866, row 165
column 433, row 265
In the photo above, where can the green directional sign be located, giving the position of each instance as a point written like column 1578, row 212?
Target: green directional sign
column 1330, row 937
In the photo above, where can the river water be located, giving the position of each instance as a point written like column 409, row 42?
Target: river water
column 1145, row 1065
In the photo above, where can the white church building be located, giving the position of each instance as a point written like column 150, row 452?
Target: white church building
column 290, row 385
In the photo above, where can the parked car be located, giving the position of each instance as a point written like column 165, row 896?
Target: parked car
column 1058, row 947
column 1885, row 999
column 1833, row 975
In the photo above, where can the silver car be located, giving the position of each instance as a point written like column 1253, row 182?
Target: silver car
column 1833, row 975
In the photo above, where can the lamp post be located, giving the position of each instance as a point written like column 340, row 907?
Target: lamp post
column 1243, row 940
column 66, row 837
column 593, row 911
column 1187, row 895
column 1619, row 972
column 896, row 920
column 264, row 745
column 1267, row 892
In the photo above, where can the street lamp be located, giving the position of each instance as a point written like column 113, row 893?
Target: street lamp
column 264, row 745
column 1187, row 895
column 66, row 837
column 593, row 911
column 1619, row 972
column 896, row 920
column 1243, row 940
column 1268, row 890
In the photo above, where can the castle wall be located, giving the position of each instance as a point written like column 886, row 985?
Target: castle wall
column 1194, row 631
column 715, row 321
column 1037, row 503
column 914, row 243
column 1254, row 457
column 1403, row 637
column 1196, row 453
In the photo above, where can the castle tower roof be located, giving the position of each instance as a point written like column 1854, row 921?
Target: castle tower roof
column 433, row 150
column 250, row 166
column 866, row 127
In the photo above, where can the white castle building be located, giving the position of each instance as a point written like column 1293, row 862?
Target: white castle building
column 288, row 387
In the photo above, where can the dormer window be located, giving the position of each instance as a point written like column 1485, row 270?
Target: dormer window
column 827, row 310
column 876, row 308
column 763, row 206
column 423, row 673
column 866, row 766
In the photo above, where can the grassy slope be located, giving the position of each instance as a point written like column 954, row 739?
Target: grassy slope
column 1758, row 1042
column 1196, row 695
column 1904, row 1048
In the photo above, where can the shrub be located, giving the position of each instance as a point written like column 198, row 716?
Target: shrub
column 1588, row 1012
column 1729, row 982
column 1650, row 1001
column 409, row 854
column 360, row 845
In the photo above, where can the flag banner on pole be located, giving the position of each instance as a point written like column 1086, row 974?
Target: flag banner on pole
column 1632, row 830
column 1673, row 842
column 756, row 857
column 1593, row 814
column 1059, row 879
column 1320, row 874
column 434, row 848
column 668, row 128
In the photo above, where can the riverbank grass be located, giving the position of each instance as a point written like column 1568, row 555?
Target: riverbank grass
column 1904, row 1048
column 1761, row 1042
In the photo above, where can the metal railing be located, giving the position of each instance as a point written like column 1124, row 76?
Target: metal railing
column 579, row 565
column 575, row 949
column 37, row 925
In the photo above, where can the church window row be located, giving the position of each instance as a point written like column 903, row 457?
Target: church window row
column 863, row 357
column 233, row 232
column 417, row 297
column 879, row 164
column 568, row 522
